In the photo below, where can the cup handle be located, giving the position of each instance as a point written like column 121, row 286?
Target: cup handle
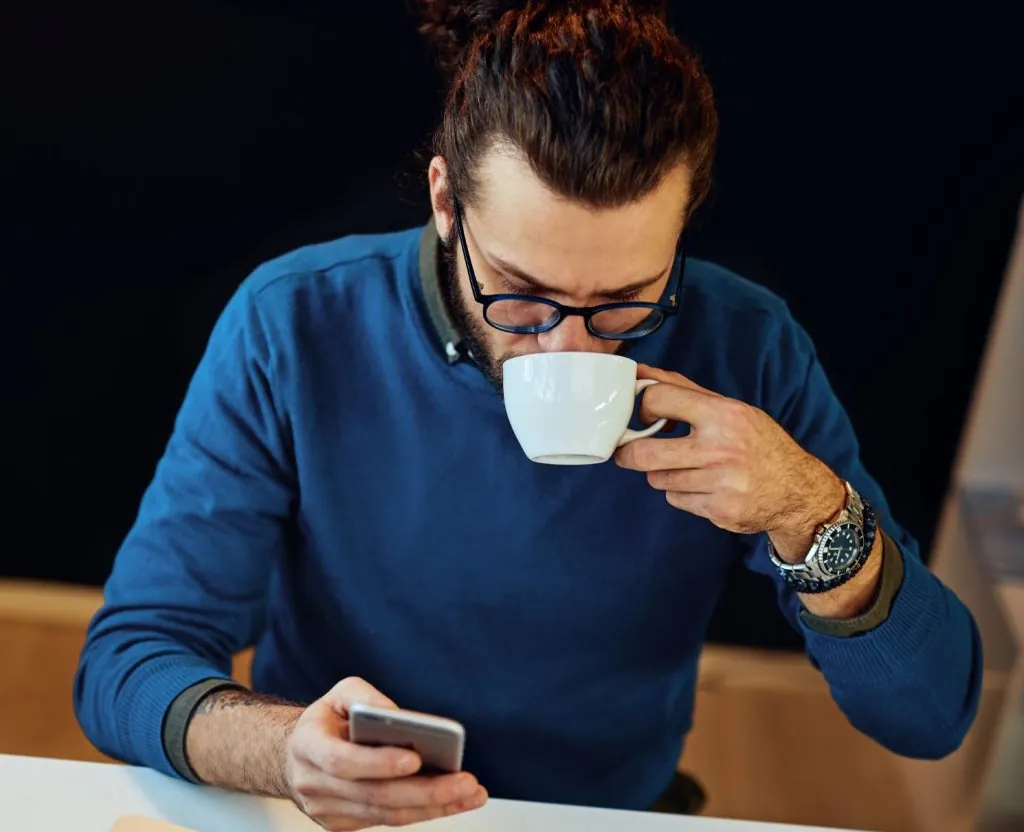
column 630, row 435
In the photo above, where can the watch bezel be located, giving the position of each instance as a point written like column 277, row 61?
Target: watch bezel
column 826, row 538
column 809, row 575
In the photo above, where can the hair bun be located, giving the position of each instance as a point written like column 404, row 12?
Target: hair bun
column 450, row 25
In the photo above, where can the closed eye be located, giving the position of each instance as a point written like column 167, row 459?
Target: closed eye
column 628, row 297
column 510, row 288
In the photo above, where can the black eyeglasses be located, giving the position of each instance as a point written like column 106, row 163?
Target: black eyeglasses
column 530, row 315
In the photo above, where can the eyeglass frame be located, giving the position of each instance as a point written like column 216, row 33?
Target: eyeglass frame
column 563, row 310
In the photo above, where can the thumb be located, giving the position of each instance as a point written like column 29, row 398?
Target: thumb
column 353, row 689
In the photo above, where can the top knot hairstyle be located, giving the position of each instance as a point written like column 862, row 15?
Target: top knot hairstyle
column 598, row 95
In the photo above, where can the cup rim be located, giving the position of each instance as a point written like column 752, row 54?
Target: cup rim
column 543, row 356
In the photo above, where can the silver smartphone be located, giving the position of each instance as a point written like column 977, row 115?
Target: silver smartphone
column 439, row 741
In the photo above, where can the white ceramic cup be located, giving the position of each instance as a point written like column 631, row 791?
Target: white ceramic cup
column 573, row 408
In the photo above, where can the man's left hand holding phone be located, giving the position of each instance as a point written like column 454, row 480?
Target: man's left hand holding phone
column 340, row 784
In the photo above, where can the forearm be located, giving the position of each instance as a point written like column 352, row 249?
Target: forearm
column 236, row 739
column 133, row 667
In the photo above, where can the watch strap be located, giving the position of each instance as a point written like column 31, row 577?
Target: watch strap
column 810, row 586
column 808, row 576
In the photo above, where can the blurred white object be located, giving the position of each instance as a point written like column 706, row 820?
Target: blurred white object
column 43, row 794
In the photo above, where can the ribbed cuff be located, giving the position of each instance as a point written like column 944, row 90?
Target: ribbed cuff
column 895, row 645
column 889, row 582
column 147, row 696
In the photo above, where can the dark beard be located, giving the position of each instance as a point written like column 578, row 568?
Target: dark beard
column 471, row 329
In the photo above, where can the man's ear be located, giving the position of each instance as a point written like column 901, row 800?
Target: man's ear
column 440, row 198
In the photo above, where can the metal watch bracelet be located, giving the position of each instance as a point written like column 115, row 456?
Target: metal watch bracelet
column 808, row 576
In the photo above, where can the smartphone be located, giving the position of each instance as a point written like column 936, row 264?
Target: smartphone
column 439, row 741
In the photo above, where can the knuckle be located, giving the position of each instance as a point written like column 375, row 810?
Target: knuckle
column 351, row 684
column 735, row 412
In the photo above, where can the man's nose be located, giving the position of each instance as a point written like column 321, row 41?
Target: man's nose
column 570, row 335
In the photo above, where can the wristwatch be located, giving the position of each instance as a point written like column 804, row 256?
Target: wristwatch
column 839, row 550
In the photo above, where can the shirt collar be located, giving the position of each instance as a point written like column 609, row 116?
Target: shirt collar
column 430, row 280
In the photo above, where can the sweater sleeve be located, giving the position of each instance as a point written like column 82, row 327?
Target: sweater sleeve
column 913, row 682
column 189, row 582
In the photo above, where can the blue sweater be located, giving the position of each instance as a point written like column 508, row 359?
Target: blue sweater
column 339, row 495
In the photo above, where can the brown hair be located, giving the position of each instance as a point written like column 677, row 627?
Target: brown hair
column 598, row 95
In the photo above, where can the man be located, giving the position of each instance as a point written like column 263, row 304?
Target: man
column 342, row 488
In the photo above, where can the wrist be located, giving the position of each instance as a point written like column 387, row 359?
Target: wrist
column 854, row 597
column 819, row 505
column 284, row 754
column 238, row 740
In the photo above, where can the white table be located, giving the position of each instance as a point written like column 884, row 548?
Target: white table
column 41, row 795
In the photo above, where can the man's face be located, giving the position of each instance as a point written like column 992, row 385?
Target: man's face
column 522, row 238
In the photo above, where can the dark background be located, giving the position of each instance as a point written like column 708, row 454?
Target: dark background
column 869, row 170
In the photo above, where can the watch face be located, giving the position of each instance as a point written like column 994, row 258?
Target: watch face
column 840, row 547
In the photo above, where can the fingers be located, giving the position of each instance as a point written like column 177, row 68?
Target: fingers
column 348, row 815
column 681, row 404
column 701, row 505
column 402, row 793
column 342, row 785
column 340, row 813
column 668, row 377
column 348, row 761
column 686, row 480
column 417, row 792
column 349, row 691
column 662, row 454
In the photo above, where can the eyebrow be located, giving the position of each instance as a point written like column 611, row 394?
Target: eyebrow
column 540, row 286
